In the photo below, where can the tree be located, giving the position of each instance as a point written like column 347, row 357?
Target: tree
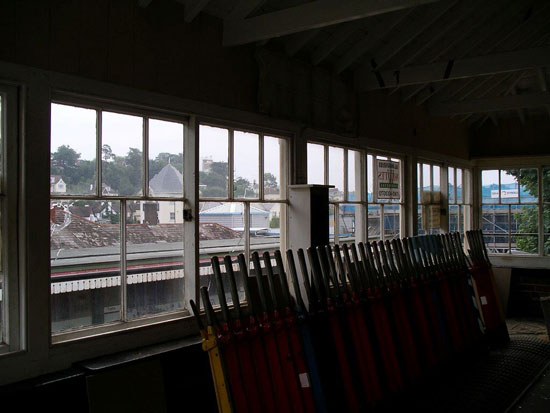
column 65, row 157
column 271, row 186
column 527, row 217
column 108, row 155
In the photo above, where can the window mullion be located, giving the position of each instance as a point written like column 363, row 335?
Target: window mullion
column 246, row 228
column 123, row 278
column 541, row 212
column 336, row 213
column 346, row 196
column 145, row 160
column 230, row 167
column 382, row 232
column 326, row 171
column 99, row 153
column 261, row 167
column 509, row 229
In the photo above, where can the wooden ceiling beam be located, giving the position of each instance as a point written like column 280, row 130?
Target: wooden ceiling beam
column 449, row 70
column 492, row 104
column 307, row 16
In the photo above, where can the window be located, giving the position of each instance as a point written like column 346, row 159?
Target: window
column 429, row 198
column 242, row 194
column 357, row 212
column 510, row 206
column 10, row 331
column 116, row 216
column 459, row 199
column 385, row 203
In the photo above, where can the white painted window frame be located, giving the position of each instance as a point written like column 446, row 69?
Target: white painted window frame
column 146, row 113
column 540, row 206
column 247, row 202
column 12, row 326
column 361, row 179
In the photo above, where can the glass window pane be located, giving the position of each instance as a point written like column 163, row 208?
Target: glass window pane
column 497, row 243
column 336, row 173
column 489, row 187
column 419, row 183
column 546, row 245
column 425, row 196
column 154, row 257
column 546, row 184
column 221, row 232
column 354, row 176
column 346, row 221
column 420, row 227
column 524, row 219
column 495, row 219
column 528, row 185
column 524, row 244
column 246, row 167
column 84, row 263
column 331, row 223
column 265, row 227
column 451, row 193
column 122, row 164
column 459, row 187
column 165, row 158
column 391, row 221
column 436, row 178
column 370, row 179
column 73, row 150
column 373, row 218
column 214, row 161
column 315, row 164
column 453, row 218
column 273, row 161
column 546, row 218
column 509, row 193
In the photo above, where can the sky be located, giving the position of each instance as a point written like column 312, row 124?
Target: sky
column 76, row 127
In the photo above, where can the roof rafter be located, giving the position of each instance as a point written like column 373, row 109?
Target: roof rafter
column 192, row 8
column 449, row 70
column 484, row 29
column 380, row 57
column 375, row 33
column 492, row 104
column 433, row 34
column 295, row 42
column 312, row 15
column 338, row 37
column 244, row 8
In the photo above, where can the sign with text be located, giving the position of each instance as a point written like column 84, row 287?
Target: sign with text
column 386, row 180
column 505, row 193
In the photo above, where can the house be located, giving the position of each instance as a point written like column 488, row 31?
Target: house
column 57, row 184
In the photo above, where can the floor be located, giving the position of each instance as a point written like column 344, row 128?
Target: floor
column 537, row 398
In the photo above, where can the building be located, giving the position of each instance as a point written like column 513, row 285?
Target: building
column 57, row 184
column 231, row 93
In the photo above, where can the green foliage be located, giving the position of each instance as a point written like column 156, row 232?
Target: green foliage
column 275, row 222
column 527, row 218
column 122, row 173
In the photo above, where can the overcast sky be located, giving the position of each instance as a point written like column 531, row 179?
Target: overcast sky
column 76, row 127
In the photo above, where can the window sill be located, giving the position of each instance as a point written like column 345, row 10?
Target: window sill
column 523, row 261
column 117, row 327
column 125, row 357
